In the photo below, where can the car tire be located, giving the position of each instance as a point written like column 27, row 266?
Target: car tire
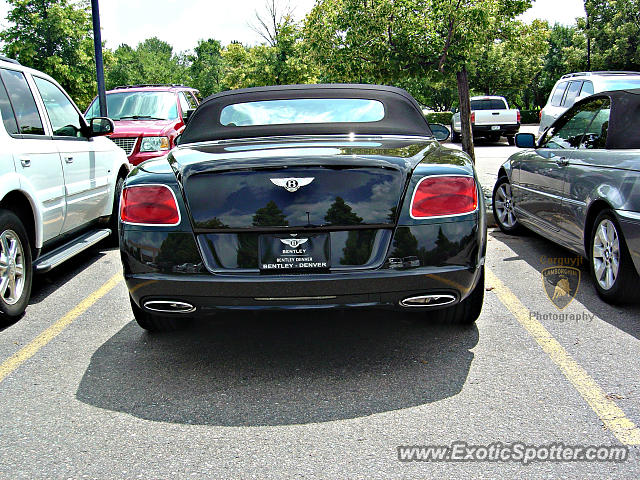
column 502, row 203
column 511, row 140
column 115, row 213
column 16, row 267
column 158, row 323
column 455, row 137
column 468, row 310
column 606, row 248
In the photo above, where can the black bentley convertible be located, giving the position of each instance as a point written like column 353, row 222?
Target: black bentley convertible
column 304, row 196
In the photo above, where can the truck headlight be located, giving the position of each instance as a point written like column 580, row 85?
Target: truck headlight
column 154, row 144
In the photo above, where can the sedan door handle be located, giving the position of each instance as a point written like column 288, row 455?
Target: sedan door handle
column 68, row 159
column 25, row 161
column 562, row 161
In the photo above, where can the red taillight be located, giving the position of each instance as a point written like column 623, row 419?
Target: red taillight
column 149, row 205
column 439, row 196
column 518, row 116
column 473, row 117
column 540, row 115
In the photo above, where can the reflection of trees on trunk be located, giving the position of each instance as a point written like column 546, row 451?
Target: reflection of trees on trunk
column 178, row 248
column 405, row 244
column 268, row 216
column 213, row 223
column 358, row 245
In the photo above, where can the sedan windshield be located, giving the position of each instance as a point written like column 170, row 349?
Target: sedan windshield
column 138, row 106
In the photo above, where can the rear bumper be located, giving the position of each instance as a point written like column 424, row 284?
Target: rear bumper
column 481, row 130
column 383, row 288
column 630, row 225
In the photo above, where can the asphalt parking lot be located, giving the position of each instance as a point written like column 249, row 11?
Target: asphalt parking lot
column 86, row 393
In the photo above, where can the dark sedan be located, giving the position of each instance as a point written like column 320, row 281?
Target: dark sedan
column 298, row 197
column 579, row 186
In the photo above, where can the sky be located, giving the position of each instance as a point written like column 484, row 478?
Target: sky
column 183, row 22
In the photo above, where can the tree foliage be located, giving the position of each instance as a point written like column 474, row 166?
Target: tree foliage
column 152, row 61
column 54, row 36
column 614, row 29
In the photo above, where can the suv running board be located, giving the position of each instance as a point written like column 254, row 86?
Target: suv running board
column 65, row 252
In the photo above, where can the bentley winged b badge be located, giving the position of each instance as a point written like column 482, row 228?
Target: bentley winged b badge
column 294, row 242
column 291, row 184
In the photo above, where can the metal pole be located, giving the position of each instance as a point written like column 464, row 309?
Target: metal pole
column 97, row 44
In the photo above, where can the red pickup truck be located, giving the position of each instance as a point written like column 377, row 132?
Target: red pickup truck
column 148, row 118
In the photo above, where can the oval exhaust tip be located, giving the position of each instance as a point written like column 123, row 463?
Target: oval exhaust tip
column 169, row 306
column 435, row 300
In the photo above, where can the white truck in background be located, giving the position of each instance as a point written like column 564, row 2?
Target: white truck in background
column 491, row 118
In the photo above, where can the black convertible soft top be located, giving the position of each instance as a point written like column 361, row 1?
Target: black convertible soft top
column 624, row 123
column 402, row 114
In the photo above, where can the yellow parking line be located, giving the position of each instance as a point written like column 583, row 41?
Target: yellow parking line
column 29, row 350
column 610, row 414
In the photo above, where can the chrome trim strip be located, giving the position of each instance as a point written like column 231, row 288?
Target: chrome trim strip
column 448, row 299
column 629, row 214
column 550, row 195
column 179, row 306
column 275, row 299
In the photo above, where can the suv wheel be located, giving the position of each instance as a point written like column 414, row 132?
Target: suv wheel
column 503, row 210
column 612, row 269
column 455, row 137
column 15, row 268
column 511, row 140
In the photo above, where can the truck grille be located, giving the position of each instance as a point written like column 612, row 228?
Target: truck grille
column 125, row 143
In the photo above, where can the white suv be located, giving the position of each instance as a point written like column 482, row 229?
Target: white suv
column 575, row 86
column 59, row 181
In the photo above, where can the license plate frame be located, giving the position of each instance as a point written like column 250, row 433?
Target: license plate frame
column 281, row 253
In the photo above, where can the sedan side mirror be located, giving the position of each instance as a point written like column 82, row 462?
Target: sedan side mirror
column 525, row 140
column 440, row 132
column 186, row 115
column 100, row 126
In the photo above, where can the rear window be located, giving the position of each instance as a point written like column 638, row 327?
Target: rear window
column 302, row 110
column 572, row 93
column 488, row 104
column 558, row 93
column 620, row 83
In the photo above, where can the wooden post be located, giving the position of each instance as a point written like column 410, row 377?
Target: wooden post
column 465, row 113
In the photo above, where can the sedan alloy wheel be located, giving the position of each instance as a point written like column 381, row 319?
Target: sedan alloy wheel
column 606, row 254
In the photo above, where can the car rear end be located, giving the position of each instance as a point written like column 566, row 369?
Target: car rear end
column 366, row 231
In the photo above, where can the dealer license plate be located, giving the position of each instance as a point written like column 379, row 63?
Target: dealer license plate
column 287, row 252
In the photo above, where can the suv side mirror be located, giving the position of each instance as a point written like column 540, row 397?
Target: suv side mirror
column 100, row 126
column 186, row 115
column 525, row 140
column 440, row 132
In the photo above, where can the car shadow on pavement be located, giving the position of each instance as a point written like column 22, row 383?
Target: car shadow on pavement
column 47, row 283
column 534, row 249
column 244, row 369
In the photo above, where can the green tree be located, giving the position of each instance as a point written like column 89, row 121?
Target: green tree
column 614, row 30
column 566, row 52
column 507, row 66
column 152, row 61
column 206, row 67
column 384, row 41
column 54, row 36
